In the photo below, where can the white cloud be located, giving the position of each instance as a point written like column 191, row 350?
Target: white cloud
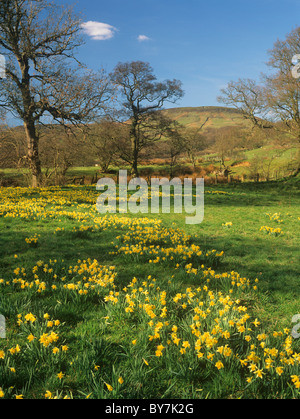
column 98, row 31
column 143, row 38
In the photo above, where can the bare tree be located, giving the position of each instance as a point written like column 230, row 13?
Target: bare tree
column 175, row 147
column 247, row 96
column 59, row 150
column 107, row 142
column 227, row 143
column 282, row 89
column 275, row 102
column 12, row 146
column 39, row 40
column 143, row 97
column 195, row 141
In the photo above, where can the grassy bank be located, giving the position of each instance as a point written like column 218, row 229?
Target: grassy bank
column 129, row 307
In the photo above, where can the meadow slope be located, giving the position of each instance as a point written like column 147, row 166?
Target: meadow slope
column 123, row 306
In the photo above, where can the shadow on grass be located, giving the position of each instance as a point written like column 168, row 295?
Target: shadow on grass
column 253, row 259
column 247, row 256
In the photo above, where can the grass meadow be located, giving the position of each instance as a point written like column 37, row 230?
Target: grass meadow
column 130, row 307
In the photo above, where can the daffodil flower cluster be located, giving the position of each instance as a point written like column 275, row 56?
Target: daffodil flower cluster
column 277, row 217
column 156, row 244
column 85, row 278
column 40, row 342
column 227, row 225
column 271, row 230
column 207, row 327
column 32, row 241
column 212, row 327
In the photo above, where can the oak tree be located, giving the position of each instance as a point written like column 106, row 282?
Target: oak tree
column 44, row 81
column 273, row 105
column 142, row 97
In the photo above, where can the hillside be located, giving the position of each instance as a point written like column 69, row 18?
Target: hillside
column 271, row 160
column 219, row 117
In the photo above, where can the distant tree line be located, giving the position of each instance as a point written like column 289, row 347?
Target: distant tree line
column 73, row 116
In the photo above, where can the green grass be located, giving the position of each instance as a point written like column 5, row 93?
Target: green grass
column 100, row 333
column 257, row 161
column 274, row 260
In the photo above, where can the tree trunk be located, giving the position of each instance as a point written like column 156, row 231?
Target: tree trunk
column 33, row 153
column 134, row 167
column 135, row 151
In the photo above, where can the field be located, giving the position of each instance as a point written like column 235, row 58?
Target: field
column 130, row 307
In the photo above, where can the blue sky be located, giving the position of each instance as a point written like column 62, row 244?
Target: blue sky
column 205, row 44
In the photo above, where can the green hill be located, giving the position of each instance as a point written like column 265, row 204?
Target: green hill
column 270, row 159
column 218, row 117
